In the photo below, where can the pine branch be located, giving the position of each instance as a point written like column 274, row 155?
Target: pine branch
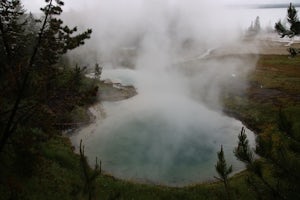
column 282, row 30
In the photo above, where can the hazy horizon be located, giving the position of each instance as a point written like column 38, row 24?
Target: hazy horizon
column 34, row 5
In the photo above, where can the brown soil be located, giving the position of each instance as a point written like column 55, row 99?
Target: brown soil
column 255, row 46
column 275, row 48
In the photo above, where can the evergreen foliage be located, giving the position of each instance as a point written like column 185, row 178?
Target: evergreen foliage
column 58, row 39
column 292, row 17
column 255, row 28
column 98, row 71
column 37, row 92
column 243, row 151
column 29, row 71
column 277, row 155
column 223, row 171
column 293, row 20
column 13, row 40
column 257, row 24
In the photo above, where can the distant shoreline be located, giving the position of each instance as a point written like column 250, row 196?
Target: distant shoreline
column 263, row 6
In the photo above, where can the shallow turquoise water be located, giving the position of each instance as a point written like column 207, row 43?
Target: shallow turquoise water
column 161, row 144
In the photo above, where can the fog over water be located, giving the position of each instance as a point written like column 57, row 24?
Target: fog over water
column 170, row 132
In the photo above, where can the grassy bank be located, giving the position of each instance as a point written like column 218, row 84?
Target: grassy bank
column 273, row 85
column 60, row 177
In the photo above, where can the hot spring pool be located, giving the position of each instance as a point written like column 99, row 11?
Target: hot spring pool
column 171, row 143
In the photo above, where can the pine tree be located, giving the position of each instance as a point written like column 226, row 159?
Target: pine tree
column 266, row 150
column 98, row 71
column 31, row 80
column 254, row 28
column 294, row 29
column 57, row 38
column 293, row 20
column 292, row 17
column 223, row 171
column 243, row 151
column 257, row 25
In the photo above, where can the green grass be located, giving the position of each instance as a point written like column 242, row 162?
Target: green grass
column 274, row 84
column 59, row 177
column 278, row 71
column 278, row 61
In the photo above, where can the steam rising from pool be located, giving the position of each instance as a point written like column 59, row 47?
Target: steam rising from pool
column 167, row 143
column 161, row 136
column 168, row 133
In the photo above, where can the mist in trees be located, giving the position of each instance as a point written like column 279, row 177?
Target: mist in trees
column 254, row 28
column 37, row 89
column 29, row 59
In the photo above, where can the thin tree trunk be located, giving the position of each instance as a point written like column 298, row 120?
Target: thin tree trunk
column 227, row 189
column 7, row 130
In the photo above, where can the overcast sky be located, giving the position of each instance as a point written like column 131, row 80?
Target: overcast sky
column 34, row 5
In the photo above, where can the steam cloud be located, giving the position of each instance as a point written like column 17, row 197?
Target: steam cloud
column 177, row 55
